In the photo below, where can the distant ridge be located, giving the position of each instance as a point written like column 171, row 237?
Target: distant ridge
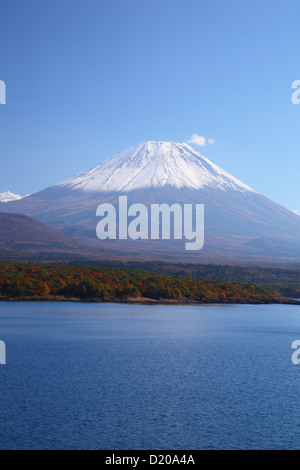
column 22, row 233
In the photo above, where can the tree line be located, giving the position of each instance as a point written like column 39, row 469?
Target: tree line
column 86, row 282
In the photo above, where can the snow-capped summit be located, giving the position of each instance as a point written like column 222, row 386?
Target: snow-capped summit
column 155, row 164
column 8, row 196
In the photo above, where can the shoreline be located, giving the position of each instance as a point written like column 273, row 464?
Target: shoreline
column 148, row 301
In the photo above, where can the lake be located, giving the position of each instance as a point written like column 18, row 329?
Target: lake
column 116, row 376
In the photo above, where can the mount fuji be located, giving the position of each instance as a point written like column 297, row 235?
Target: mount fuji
column 155, row 165
column 240, row 224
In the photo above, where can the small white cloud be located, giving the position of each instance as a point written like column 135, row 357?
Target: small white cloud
column 200, row 140
column 296, row 212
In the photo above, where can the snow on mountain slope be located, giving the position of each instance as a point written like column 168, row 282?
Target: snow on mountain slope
column 156, row 165
column 8, row 196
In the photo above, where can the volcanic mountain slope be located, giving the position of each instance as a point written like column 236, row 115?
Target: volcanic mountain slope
column 239, row 223
column 23, row 234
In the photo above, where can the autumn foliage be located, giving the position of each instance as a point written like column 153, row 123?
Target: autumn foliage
column 85, row 282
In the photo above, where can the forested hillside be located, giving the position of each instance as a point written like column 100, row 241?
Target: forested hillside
column 20, row 280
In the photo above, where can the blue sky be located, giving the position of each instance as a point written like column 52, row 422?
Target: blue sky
column 88, row 79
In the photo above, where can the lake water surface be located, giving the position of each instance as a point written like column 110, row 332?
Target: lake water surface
column 114, row 376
